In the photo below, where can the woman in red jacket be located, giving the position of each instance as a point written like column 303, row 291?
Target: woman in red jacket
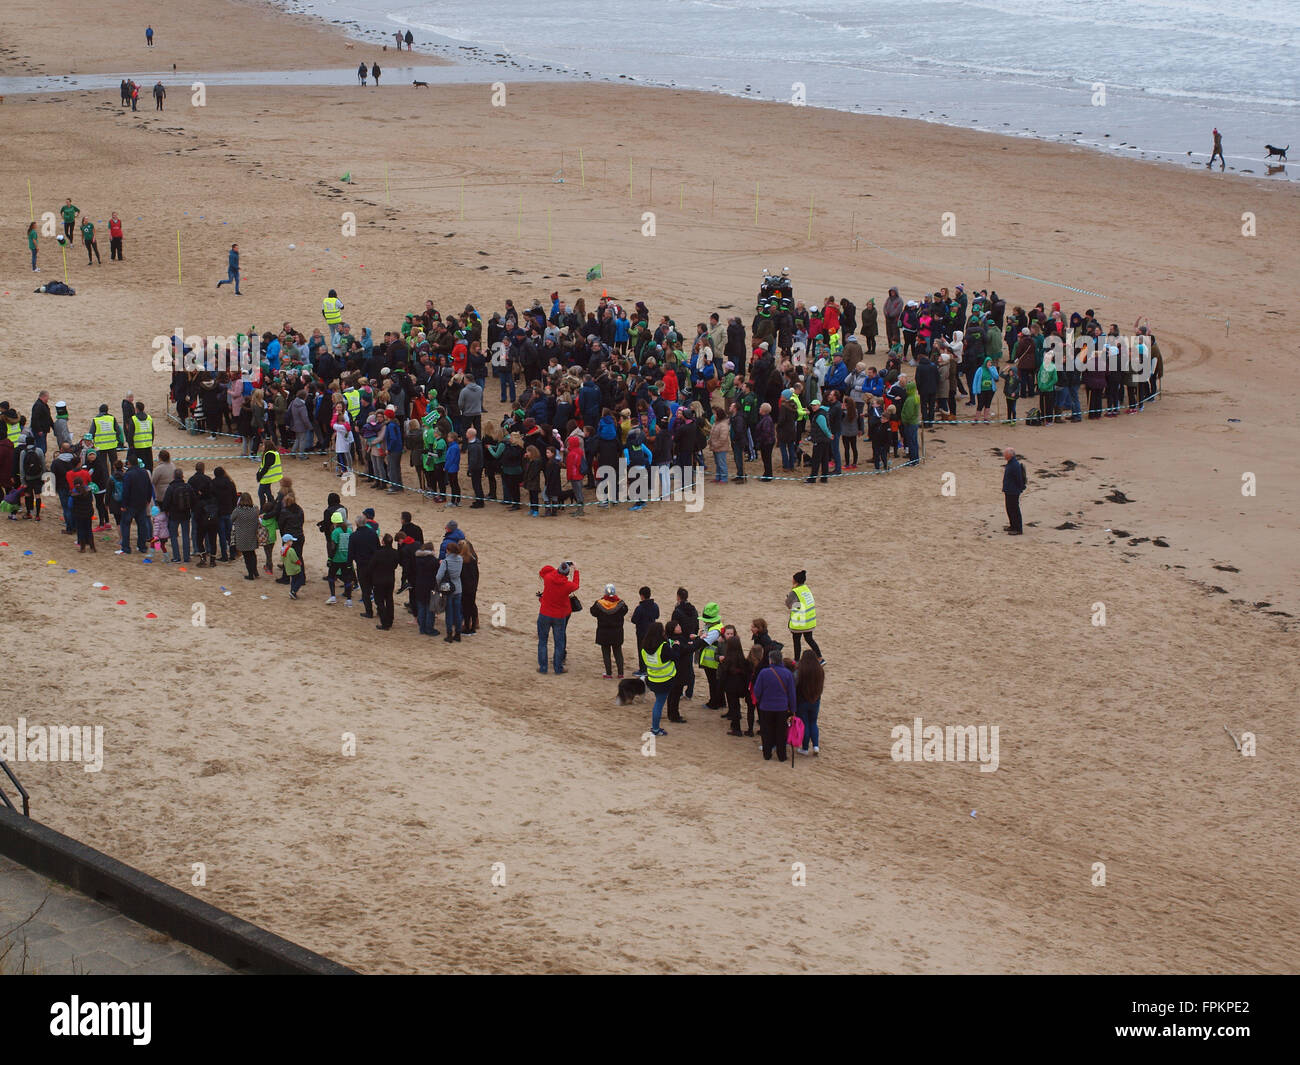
column 573, row 456
column 114, row 238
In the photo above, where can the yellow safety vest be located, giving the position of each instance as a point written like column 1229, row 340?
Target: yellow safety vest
column 804, row 616
column 709, row 656
column 273, row 472
column 105, row 438
column 657, row 670
column 331, row 306
column 143, row 432
column 13, row 430
column 353, row 396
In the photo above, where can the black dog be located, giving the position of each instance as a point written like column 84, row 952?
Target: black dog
column 1279, row 152
column 629, row 691
column 420, row 84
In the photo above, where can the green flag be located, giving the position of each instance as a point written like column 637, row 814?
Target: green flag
column 347, row 178
column 596, row 272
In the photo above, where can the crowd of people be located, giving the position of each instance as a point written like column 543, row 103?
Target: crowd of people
column 579, row 390
column 762, row 681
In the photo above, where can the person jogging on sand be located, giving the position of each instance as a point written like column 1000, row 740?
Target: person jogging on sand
column 232, row 269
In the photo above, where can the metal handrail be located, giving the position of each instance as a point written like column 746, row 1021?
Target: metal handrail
column 21, row 791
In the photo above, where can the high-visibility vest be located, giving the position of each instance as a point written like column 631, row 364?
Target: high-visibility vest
column 13, row 430
column 143, row 432
column 709, row 656
column 353, row 396
column 105, row 438
column 804, row 616
column 273, row 472
column 658, row 671
column 333, row 310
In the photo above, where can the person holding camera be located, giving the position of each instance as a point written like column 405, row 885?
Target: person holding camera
column 556, row 604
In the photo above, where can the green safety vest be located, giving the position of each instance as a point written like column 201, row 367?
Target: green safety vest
column 331, row 307
column 709, row 656
column 143, row 432
column 105, row 438
column 804, row 616
column 657, row 670
column 273, row 472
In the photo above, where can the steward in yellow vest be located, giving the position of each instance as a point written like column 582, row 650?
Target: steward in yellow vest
column 803, row 615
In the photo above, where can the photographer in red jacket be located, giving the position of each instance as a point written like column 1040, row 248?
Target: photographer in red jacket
column 554, row 610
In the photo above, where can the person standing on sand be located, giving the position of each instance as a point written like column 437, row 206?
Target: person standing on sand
column 809, row 680
column 1014, row 481
column 409, row 40
column 1218, row 151
column 803, row 615
column 88, row 238
column 232, row 269
column 69, row 213
column 135, row 96
column 159, row 95
column 32, row 240
column 774, row 693
column 554, row 610
column 374, row 73
column 114, row 238
column 362, row 73
column 398, row 35
column 148, row 36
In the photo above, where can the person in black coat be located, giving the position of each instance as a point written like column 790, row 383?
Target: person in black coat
column 426, row 571
column 1014, row 482
column 362, row 545
column 687, row 618
column 468, row 589
column 383, row 576
column 610, row 613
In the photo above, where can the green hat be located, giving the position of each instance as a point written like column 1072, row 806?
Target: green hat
column 712, row 615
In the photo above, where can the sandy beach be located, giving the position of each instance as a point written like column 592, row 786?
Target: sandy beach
column 224, row 741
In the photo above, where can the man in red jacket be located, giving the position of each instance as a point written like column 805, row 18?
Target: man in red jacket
column 554, row 610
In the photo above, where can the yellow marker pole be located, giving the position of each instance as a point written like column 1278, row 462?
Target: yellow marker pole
column 755, row 203
column 810, row 214
column 582, row 167
column 30, row 206
column 178, row 256
column 681, row 196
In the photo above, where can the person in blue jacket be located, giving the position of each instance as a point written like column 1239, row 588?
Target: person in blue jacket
column 451, row 466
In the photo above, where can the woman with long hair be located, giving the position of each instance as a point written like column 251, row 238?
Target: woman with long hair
column 809, row 680
column 468, row 589
column 734, row 672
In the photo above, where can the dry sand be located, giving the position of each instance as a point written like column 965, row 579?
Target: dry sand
column 224, row 742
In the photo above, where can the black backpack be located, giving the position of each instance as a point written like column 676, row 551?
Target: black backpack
column 182, row 499
column 33, row 464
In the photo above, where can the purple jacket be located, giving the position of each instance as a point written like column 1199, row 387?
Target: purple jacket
column 774, row 689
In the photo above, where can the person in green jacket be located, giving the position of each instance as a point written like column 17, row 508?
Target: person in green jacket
column 435, row 458
column 88, row 238
column 32, row 238
column 69, row 213
column 909, row 418
column 984, row 387
column 1047, row 391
